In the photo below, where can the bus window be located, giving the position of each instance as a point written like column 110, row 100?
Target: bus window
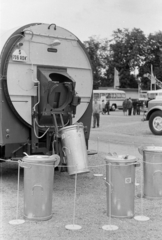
column 96, row 95
column 118, row 95
column 108, row 95
column 113, row 95
column 103, row 94
column 123, row 95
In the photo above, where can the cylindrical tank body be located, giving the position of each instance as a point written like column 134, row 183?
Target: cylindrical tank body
column 42, row 67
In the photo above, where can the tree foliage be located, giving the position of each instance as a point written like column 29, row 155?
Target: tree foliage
column 153, row 57
column 130, row 52
column 97, row 50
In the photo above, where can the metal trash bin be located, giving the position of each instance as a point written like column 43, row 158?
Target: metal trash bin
column 38, row 185
column 120, row 176
column 152, row 171
column 74, row 148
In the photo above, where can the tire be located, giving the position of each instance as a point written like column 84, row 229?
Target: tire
column 155, row 123
column 113, row 107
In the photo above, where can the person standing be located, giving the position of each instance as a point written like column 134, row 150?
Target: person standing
column 96, row 113
column 103, row 106
column 134, row 105
column 138, row 107
column 107, row 106
column 129, row 106
column 125, row 107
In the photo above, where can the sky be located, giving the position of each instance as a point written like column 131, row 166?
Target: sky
column 84, row 18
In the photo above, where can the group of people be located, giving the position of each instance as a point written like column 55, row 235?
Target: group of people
column 129, row 105
column 106, row 107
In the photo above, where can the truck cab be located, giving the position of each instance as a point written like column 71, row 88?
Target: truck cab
column 154, row 115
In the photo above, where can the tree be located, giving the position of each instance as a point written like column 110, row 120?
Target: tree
column 127, row 53
column 153, row 57
column 97, row 50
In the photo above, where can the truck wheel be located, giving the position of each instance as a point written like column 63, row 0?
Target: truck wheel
column 155, row 123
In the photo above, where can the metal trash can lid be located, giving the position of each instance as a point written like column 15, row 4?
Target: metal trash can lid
column 40, row 159
column 150, row 149
column 120, row 158
column 74, row 126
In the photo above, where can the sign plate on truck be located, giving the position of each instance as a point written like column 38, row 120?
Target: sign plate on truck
column 128, row 180
column 19, row 55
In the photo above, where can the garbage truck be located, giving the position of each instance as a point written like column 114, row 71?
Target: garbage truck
column 46, row 83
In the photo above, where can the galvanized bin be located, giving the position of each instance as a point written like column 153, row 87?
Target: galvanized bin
column 120, row 182
column 74, row 148
column 152, row 171
column 38, row 186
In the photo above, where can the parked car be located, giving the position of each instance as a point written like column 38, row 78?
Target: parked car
column 154, row 115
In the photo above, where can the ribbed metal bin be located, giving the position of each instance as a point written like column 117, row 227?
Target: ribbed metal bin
column 38, row 186
column 120, row 182
column 74, row 148
column 152, row 171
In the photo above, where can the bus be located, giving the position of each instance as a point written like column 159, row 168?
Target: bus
column 116, row 97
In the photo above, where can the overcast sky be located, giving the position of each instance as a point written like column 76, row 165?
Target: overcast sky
column 84, row 18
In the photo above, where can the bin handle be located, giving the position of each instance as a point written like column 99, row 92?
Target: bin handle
column 110, row 184
column 57, row 159
column 64, row 151
column 35, row 187
column 25, row 154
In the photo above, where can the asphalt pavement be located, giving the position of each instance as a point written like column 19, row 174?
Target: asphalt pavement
column 122, row 134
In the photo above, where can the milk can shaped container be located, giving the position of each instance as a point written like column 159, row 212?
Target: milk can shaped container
column 120, row 182
column 74, row 148
column 38, row 186
column 152, row 171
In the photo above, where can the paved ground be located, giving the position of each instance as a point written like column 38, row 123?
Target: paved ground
column 117, row 133
column 122, row 133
